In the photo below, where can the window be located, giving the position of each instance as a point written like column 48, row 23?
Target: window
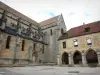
column 51, row 32
column 64, row 44
column 62, row 31
column 0, row 43
column 89, row 42
column 75, row 43
column 23, row 43
column 8, row 42
column 42, row 49
column 34, row 47
column 87, row 29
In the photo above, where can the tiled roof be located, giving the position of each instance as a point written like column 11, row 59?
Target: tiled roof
column 48, row 21
column 79, row 31
column 11, row 10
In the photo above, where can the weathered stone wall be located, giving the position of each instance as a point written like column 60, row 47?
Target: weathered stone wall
column 82, row 43
column 15, row 55
column 7, row 55
column 83, row 48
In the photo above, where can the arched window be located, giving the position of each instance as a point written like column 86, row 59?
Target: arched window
column 23, row 43
column 8, row 42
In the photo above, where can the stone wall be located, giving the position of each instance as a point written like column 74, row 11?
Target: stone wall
column 83, row 48
column 14, row 51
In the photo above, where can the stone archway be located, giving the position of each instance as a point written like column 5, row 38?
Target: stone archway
column 65, row 58
column 77, row 57
column 91, row 58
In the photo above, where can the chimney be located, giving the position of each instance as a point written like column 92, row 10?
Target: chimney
column 83, row 23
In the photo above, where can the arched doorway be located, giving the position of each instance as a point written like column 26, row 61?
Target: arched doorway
column 77, row 57
column 91, row 57
column 65, row 58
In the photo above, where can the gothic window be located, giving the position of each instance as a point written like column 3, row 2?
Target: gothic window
column 8, row 42
column 75, row 43
column 34, row 47
column 23, row 44
column 89, row 42
column 64, row 44
column 51, row 32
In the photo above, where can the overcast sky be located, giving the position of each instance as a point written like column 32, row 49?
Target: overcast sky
column 75, row 12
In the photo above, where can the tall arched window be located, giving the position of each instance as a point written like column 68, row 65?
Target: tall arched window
column 8, row 42
column 23, row 43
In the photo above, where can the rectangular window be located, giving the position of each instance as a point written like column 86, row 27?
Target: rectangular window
column 89, row 42
column 51, row 32
column 23, row 43
column 75, row 43
column 8, row 42
column 64, row 44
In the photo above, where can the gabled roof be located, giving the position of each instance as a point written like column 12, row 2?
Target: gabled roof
column 79, row 31
column 48, row 21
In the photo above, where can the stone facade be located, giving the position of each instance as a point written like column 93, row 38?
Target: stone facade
column 82, row 47
column 21, row 39
column 52, row 29
column 24, row 41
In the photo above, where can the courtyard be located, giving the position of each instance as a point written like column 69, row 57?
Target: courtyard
column 49, row 70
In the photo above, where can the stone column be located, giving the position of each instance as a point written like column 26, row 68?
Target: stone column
column 71, row 63
column 98, row 54
column 84, row 59
column 58, row 59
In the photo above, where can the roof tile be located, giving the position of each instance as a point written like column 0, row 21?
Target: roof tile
column 79, row 31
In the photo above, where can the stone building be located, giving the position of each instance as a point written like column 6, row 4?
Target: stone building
column 24, row 41
column 80, row 46
column 21, row 38
column 53, row 28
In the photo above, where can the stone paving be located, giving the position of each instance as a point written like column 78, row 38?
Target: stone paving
column 49, row 70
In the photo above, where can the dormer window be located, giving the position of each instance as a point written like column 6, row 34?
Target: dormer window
column 87, row 29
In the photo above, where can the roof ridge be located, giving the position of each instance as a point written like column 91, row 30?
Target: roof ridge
column 49, row 18
column 84, row 25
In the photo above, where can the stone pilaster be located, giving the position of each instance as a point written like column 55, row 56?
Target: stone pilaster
column 84, row 58
column 58, row 60
column 71, row 63
column 15, row 50
column 98, row 54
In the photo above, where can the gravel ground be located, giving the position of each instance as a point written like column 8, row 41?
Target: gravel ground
column 49, row 70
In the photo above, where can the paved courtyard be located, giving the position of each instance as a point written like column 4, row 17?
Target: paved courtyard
column 49, row 70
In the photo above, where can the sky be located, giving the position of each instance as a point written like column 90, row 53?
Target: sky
column 75, row 12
